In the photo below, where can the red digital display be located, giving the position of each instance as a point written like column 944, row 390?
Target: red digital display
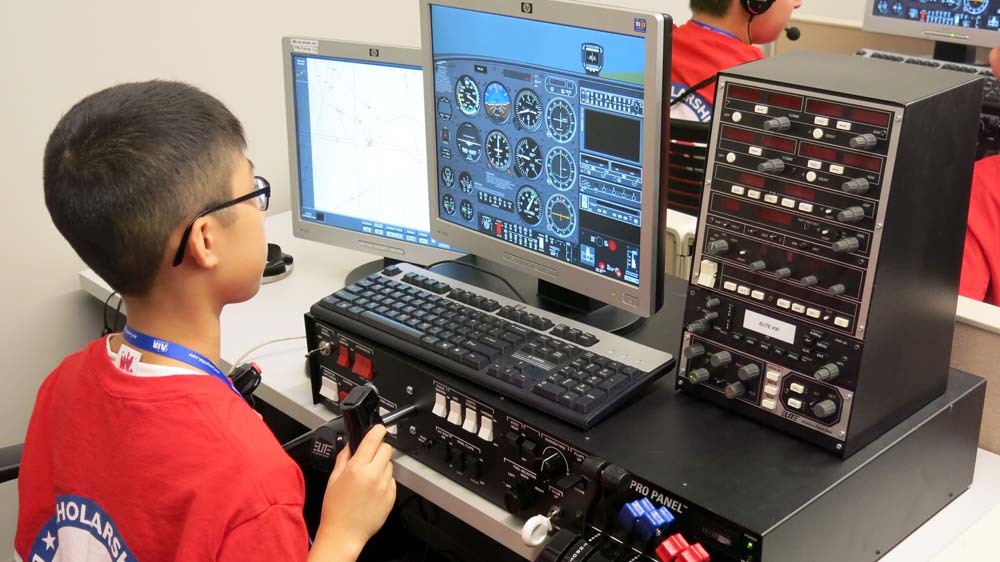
column 778, row 143
column 739, row 135
column 744, row 93
column 876, row 118
column 785, row 100
column 776, row 217
column 825, row 108
column 731, row 205
column 800, row 192
column 816, row 151
column 863, row 162
column 752, row 180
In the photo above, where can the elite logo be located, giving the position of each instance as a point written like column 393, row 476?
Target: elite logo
column 81, row 531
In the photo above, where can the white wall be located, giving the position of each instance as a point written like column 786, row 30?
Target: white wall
column 53, row 53
column 848, row 12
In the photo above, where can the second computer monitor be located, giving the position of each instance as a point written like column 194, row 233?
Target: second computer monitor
column 544, row 123
column 356, row 139
column 969, row 22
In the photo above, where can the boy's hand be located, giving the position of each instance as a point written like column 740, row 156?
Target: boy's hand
column 359, row 496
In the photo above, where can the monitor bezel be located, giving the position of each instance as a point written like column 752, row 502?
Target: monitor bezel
column 644, row 299
column 333, row 235
column 929, row 31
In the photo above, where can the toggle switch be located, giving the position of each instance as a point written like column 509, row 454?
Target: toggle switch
column 344, row 357
column 455, row 413
column 486, row 429
column 709, row 269
column 471, row 423
column 363, row 366
column 440, row 405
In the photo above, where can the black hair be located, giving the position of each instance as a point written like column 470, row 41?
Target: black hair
column 128, row 165
column 711, row 7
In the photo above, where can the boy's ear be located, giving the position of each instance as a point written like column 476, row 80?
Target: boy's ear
column 201, row 247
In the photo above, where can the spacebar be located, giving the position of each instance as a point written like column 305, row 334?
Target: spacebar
column 391, row 326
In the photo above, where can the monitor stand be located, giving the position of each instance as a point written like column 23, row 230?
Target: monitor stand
column 536, row 292
column 954, row 52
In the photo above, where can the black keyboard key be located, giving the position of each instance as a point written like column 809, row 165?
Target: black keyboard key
column 490, row 305
column 346, row 295
column 496, row 343
column 588, row 401
column 614, row 384
column 581, row 388
column 517, row 315
column 555, row 378
column 428, row 283
column 403, row 318
column 456, row 353
column 602, row 361
column 391, row 271
column 493, row 371
column 342, row 307
column 578, row 364
column 476, row 301
column 526, row 334
column 631, row 372
column 329, row 302
column 424, row 326
column 429, row 342
column 567, row 398
column 567, row 384
column 606, row 373
column 572, row 334
column 410, row 277
column 355, row 311
column 593, row 380
column 441, row 288
column 476, row 360
column 592, row 368
column 391, row 326
column 587, row 340
column 485, row 350
column 548, row 390
column 540, row 323
column 558, row 357
column 520, row 380
column 504, row 311
column 509, row 373
column 383, row 310
column 560, row 331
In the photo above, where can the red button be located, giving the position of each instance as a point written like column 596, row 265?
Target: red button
column 344, row 357
column 696, row 553
column 362, row 366
column 672, row 547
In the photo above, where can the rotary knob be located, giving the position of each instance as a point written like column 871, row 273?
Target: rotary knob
column 824, row 409
column 778, row 124
column 772, row 166
column 782, row 273
column 720, row 359
column 851, row 215
column 757, row 265
column 857, row 186
column 866, row 141
column 837, row 289
column 735, row 390
column 694, row 351
column 717, row 247
column 698, row 376
column 748, row 372
column 845, row 245
column 712, row 302
column 827, row 372
column 809, row 280
column 700, row 326
column 552, row 465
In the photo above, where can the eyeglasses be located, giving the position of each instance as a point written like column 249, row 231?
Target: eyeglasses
column 261, row 197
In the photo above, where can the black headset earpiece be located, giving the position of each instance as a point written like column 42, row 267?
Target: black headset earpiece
column 757, row 7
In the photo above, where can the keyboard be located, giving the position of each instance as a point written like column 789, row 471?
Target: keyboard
column 991, row 88
column 564, row 368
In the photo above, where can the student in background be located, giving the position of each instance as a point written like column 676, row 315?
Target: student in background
column 981, row 261
column 720, row 34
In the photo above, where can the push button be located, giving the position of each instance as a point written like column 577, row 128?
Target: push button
column 363, row 366
column 344, row 357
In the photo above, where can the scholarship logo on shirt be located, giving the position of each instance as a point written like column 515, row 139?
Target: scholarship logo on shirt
column 694, row 107
column 80, row 531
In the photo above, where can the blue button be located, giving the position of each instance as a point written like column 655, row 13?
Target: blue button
column 649, row 524
column 646, row 505
column 630, row 513
column 666, row 515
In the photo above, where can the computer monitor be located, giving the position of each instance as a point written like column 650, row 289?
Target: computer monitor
column 963, row 22
column 544, row 125
column 356, row 142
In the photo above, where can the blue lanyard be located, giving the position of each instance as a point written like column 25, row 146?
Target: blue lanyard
column 175, row 351
column 716, row 29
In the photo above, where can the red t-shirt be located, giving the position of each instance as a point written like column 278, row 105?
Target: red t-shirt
column 123, row 468
column 700, row 52
column 981, row 261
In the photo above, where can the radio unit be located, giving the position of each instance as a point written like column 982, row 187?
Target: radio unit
column 829, row 247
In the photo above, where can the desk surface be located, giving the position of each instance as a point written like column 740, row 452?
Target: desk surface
column 277, row 312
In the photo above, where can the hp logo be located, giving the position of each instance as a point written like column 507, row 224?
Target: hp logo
column 373, row 52
column 526, row 7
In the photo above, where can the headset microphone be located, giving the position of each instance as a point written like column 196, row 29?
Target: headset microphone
column 792, row 33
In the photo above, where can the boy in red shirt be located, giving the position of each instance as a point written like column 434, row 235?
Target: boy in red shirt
column 139, row 448
column 720, row 34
